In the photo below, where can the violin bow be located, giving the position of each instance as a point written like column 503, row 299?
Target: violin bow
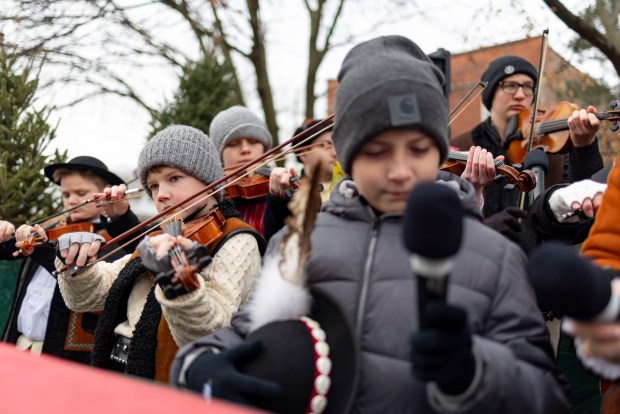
column 208, row 190
column 482, row 85
column 541, row 68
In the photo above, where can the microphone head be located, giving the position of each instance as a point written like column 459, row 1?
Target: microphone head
column 568, row 284
column 536, row 158
column 433, row 223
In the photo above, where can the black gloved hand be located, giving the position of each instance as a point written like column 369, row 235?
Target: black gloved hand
column 442, row 352
column 226, row 382
column 506, row 222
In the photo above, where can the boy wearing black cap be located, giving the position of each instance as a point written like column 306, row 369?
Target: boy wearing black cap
column 38, row 319
column 144, row 321
column 510, row 90
column 487, row 349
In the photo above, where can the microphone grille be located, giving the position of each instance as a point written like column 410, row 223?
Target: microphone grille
column 433, row 222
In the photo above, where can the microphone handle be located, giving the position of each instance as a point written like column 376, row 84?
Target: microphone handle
column 539, row 173
column 430, row 289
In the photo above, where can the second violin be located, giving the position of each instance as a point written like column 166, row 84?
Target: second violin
column 550, row 130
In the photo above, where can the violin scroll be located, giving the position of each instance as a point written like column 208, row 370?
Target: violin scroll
column 525, row 180
column 182, row 279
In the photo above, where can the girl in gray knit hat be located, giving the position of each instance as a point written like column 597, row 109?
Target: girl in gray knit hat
column 482, row 349
column 147, row 314
column 241, row 136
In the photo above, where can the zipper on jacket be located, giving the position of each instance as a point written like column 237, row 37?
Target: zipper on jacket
column 370, row 252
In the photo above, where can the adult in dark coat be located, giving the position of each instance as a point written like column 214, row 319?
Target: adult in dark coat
column 510, row 90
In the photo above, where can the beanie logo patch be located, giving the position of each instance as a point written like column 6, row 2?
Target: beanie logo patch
column 404, row 110
column 509, row 70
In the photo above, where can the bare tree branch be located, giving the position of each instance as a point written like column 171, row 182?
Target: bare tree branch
column 587, row 31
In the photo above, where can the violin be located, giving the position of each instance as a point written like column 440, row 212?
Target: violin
column 250, row 187
column 550, row 131
column 54, row 228
column 186, row 264
column 525, row 180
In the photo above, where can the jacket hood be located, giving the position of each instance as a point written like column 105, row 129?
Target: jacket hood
column 345, row 200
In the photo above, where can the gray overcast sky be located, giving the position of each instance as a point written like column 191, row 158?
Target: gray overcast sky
column 114, row 128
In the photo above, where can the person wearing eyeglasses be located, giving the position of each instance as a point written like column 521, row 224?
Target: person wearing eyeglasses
column 510, row 90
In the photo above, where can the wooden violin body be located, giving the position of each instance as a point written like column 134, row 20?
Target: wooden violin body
column 248, row 188
column 186, row 264
column 251, row 186
column 550, row 131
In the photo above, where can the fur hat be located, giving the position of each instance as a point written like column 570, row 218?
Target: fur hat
column 183, row 147
column 387, row 83
column 325, row 360
column 501, row 68
column 238, row 122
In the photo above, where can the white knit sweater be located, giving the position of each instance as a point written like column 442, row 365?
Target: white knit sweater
column 224, row 286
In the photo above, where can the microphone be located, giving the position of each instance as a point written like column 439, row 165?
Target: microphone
column 537, row 161
column 432, row 230
column 570, row 285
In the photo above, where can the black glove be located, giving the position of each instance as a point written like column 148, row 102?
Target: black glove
column 442, row 351
column 226, row 382
column 506, row 222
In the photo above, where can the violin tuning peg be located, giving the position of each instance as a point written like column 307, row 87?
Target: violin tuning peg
column 614, row 127
column 518, row 166
column 613, row 104
column 509, row 187
column 498, row 177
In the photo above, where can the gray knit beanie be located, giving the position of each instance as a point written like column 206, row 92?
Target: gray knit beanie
column 238, row 122
column 183, row 147
column 387, row 83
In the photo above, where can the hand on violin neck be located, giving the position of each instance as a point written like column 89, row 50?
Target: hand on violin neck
column 7, row 229
column 583, row 126
column 26, row 231
column 280, row 180
column 480, row 168
column 27, row 238
column 79, row 247
column 155, row 251
column 120, row 204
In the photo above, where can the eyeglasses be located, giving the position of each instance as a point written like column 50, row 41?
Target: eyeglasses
column 511, row 88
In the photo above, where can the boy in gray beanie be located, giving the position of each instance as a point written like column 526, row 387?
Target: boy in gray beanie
column 375, row 97
column 147, row 315
column 183, row 147
column 474, row 348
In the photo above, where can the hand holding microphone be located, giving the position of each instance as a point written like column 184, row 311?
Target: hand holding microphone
column 570, row 285
column 441, row 351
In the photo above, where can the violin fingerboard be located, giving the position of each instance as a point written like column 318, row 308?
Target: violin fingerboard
column 174, row 227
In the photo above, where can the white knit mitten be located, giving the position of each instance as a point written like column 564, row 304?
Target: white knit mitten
column 561, row 199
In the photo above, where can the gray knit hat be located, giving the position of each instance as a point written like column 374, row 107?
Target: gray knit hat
column 387, row 83
column 183, row 147
column 238, row 122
